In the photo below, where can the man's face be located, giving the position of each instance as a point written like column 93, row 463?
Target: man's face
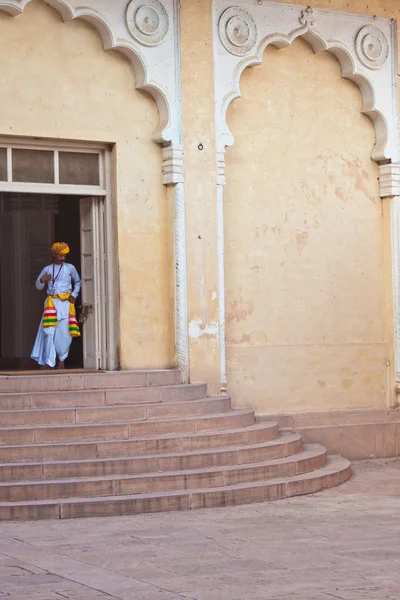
column 59, row 258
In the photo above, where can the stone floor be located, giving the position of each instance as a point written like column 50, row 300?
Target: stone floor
column 339, row 544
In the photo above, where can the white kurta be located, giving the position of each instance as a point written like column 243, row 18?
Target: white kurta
column 56, row 341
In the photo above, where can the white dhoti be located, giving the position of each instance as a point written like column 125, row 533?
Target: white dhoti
column 53, row 341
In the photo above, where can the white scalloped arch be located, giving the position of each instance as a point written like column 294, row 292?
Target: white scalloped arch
column 163, row 133
column 349, row 71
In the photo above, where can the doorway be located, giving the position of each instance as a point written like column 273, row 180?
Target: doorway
column 29, row 224
column 57, row 190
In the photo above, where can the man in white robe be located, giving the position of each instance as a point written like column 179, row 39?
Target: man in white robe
column 60, row 278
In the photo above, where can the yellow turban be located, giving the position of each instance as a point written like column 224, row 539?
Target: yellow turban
column 60, row 248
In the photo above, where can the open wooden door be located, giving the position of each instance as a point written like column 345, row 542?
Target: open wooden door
column 93, row 309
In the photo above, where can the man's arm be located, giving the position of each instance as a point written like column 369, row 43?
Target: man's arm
column 76, row 280
column 42, row 279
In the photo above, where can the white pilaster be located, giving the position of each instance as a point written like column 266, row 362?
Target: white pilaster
column 389, row 180
column 221, row 181
column 173, row 175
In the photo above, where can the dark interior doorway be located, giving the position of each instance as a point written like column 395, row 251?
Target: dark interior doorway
column 29, row 224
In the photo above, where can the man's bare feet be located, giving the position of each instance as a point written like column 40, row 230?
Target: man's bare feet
column 45, row 368
column 61, row 365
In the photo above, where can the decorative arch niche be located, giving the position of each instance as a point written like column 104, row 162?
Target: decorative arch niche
column 145, row 31
column 364, row 46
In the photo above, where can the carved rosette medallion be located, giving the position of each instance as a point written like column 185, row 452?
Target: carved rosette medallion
column 372, row 47
column 147, row 21
column 237, row 30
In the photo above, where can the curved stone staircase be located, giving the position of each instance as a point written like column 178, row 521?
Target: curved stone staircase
column 102, row 444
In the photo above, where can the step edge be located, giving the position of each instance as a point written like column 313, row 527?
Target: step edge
column 188, row 418
column 57, row 409
column 219, row 432
column 103, row 389
column 342, row 466
column 278, row 441
column 103, row 423
column 301, row 456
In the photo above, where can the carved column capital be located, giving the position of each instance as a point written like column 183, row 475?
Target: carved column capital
column 172, row 166
column 389, row 180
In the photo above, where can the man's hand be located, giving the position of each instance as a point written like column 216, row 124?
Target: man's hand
column 45, row 278
column 72, row 299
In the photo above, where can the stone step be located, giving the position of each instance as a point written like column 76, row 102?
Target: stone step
column 73, row 398
column 43, row 382
column 252, row 434
column 119, row 430
column 112, row 414
column 309, row 459
column 283, row 446
column 335, row 471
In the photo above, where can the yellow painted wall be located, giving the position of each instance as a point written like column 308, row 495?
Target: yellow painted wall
column 200, row 178
column 306, row 320
column 57, row 81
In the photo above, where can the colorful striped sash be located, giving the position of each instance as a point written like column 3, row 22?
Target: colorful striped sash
column 50, row 314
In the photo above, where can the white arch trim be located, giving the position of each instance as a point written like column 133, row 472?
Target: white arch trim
column 348, row 72
column 338, row 33
column 155, row 65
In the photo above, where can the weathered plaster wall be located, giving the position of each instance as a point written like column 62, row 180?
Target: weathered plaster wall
column 296, row 340
column 57, row 81
column 200, row 177
column 306, row 320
